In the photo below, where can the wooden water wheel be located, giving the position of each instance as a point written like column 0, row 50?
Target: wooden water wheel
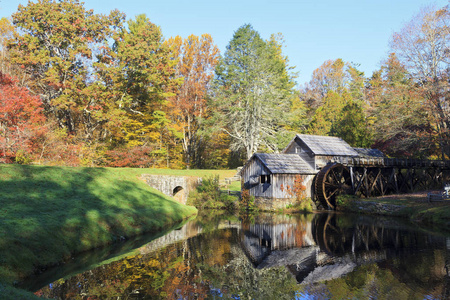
column 326, row 234
column 331, row 181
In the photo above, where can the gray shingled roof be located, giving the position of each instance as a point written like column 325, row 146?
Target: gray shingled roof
column 369, row 153
column 327, row 145
column 284, row 163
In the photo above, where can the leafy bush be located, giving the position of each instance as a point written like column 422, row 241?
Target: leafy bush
column 208, row 195
column 343, row 201
column 304, row 205
column 247, row 201
column 22, row 157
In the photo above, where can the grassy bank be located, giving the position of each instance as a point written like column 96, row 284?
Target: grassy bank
column 49, row 213
column 410, row 206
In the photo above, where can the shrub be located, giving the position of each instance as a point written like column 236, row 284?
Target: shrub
column 247, row 201
column 343, row 201
column 305, row 205
column 208, row 195
column 22, row 157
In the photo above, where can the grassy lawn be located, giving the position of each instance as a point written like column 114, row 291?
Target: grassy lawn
column 198, row 173
column 49, row 213
column 235, row 186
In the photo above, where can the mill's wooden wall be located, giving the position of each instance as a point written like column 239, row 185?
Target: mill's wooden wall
column 282, row 183
column 251, row 179
column 303, row 151
column 279, row 183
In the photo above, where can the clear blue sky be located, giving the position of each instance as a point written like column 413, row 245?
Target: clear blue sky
column 355, row 30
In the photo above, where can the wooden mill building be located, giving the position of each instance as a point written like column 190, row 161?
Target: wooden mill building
column 329, row 166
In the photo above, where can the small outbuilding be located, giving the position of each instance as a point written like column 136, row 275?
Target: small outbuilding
column 270, row 178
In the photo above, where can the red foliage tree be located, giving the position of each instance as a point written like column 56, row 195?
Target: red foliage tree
column 137, row 157
column 21, row 119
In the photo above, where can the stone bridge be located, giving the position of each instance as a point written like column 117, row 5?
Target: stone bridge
column 177, row 187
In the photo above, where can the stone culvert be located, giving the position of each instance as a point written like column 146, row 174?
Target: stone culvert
column 177, row 187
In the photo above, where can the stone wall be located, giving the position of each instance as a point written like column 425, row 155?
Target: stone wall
column 270, row 204
column 177, row 187
column 273, row 204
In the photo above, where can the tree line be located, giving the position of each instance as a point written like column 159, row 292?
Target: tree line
column 79, row 88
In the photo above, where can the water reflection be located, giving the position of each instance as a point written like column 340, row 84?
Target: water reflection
column 270, row 256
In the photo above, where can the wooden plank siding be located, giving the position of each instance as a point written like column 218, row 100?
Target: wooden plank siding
column 300, row 148
column 279, row 183
column 288, row 180
column 251, row 177
column 282, row 236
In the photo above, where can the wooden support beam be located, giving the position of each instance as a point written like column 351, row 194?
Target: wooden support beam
column 382, row 183
column 397, row 190
column 372, row 184
column 366, row 184
column 391, row 180
column 352, row 178
column 358, row 186
column 403, row 180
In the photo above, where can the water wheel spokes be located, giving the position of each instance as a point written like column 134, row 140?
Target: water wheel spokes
column 331, row 181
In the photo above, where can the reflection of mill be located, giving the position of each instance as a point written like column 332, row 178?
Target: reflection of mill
column 331, row 247
column 327, row 247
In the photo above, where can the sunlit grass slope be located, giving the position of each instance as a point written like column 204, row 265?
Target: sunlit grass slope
column 49, row 213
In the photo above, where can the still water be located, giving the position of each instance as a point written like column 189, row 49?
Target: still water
column 268, row 256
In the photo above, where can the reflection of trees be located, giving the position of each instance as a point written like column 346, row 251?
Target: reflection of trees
column 171, row 272
column 240, row 279
column 198, row 267
column 358, row 257
column 339, row 234
column 373, row 281
column 394, row 263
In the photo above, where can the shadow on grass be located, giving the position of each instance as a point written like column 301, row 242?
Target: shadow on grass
column 49, row 213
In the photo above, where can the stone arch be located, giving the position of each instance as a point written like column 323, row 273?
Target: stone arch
column 178, row 194
column 173, row 186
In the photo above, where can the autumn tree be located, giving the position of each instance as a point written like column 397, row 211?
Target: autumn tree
column 6, row 33
column 401, row 125
column 197, row 58
column 252, row 92
column 332, row 75
column 21, row 120
column 102, row 80
column 353, row 125
column 422, row 45
column 55, row 44
column 137, row 76
column 336, row 103
column 329, row 113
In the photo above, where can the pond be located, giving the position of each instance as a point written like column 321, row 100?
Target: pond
column 266, row 256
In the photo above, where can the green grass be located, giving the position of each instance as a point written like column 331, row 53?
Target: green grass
column 8, row 292
column 235, row 186
column 48, row 214
column 198, row 173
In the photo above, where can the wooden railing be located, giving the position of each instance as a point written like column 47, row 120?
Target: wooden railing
column 390, row 162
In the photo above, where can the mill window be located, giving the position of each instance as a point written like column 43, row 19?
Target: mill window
column 265, row 179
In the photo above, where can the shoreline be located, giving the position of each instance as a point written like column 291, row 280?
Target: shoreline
column 415, row 207
column 14, row 291
column 50, row 214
